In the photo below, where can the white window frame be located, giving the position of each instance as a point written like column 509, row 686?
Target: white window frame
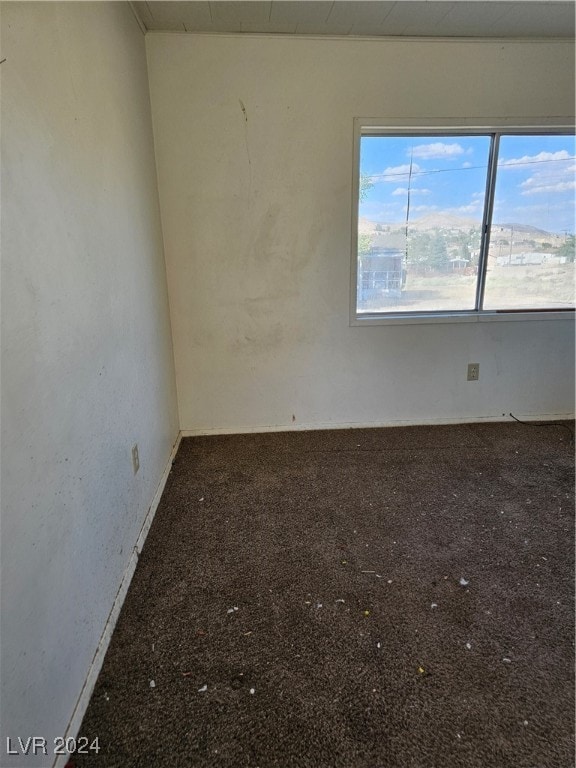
column 447, row 126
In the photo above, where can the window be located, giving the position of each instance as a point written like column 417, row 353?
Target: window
column 469, row 223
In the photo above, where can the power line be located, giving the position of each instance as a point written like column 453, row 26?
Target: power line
column 504, row 164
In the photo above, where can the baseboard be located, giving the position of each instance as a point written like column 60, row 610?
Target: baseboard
column 98, row 660
column 367, row 425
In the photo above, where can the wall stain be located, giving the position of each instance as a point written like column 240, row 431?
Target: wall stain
column 262, row 339
column 243, row 108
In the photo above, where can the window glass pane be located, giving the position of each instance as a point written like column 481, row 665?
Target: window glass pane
column 531, row 255
column 419, row 224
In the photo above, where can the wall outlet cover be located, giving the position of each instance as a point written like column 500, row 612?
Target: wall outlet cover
column 473, row 371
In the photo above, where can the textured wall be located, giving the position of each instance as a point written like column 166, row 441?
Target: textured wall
column 254, row 151
column 87, row 364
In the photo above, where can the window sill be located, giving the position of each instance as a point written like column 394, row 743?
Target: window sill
column 485, row 316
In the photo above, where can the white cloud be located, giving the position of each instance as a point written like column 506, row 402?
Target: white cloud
column 551, row 178
column 437, row 150
column 541, row 157
column 551, row 172
column 466, row 165
column 534, row 186
column 396, row 173
column 414, row 191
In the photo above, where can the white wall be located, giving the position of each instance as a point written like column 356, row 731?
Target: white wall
column 87, row 365
column 257, row 214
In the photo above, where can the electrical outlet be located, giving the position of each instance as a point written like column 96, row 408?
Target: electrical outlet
column 135, row 458
column 473, row 371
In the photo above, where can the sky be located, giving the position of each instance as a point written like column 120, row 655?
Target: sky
column 535, row 182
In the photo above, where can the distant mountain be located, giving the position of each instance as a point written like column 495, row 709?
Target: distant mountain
column 523, row 228
column 431, row 221
column 448, row 221
column 443, row 221
column 366, row 225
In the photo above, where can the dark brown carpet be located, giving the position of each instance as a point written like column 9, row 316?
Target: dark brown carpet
column 301, row 601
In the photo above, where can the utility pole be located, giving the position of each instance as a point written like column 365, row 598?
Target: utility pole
column 511, row 243
column 408, row 208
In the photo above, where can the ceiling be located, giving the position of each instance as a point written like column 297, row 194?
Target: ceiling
column 413, row 18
